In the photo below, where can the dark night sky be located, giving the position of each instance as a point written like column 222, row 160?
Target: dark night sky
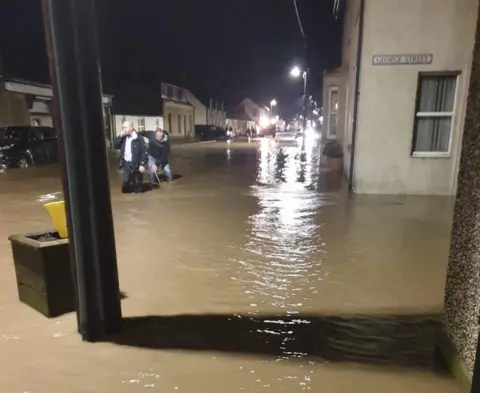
column 222, row 48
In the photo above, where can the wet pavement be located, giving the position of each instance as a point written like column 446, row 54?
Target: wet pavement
column 254, row 271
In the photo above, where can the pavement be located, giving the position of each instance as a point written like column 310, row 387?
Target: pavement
column 253, row 271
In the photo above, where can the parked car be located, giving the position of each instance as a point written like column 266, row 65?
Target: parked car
column 210, row 133
column 23, row 146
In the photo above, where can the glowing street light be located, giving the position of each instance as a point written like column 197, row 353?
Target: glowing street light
column 272, row 104
column 264, row 122
column 296, row 72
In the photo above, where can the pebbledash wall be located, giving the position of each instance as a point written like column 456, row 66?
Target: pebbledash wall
column 405, row 144
column 462, row 293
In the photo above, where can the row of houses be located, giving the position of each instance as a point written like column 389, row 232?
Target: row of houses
column 181, row 111
column 397, row 102
column 173, row 108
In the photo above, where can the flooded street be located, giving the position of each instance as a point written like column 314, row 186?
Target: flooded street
column 254, row 271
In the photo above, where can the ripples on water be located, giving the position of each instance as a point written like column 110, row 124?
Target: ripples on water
column 282, row 254
column 280, row 267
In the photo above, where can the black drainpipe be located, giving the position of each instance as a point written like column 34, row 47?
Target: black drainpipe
column 357, row 94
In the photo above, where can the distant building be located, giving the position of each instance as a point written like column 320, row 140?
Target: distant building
column 260, row 114
column 149, row 107
column 403, row 121
column 141, row 121
column 178, row 113
column 212, row 115
column 29, row 103
column 216, row 114
column 240, row 122
column 141, row 106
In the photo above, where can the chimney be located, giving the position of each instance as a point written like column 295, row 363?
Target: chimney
column 211, row 103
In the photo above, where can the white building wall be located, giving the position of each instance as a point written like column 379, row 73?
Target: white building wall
column 216, row 117
column 41, row 112
column 254, row 111
column 383, row 161
column 151, row 122
column 200, row 109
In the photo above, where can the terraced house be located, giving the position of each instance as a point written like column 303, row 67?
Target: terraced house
column 397, row 102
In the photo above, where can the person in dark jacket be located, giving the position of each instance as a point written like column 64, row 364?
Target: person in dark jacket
column 158, row 151
column 133, row 158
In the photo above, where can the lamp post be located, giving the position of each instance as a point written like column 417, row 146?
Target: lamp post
column 272, row 104
column 296, row 72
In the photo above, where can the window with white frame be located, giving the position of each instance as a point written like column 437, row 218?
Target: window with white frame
column 434, row 114
column 141, row 124
column 332, row 111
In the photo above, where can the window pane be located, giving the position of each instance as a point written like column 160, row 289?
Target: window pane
column 333, row 100
column 433, row 134
column 332, row 125
column 437, row 93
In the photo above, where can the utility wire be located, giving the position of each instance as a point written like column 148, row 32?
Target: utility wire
column 298, row 19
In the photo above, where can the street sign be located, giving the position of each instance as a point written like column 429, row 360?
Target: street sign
column 402, row 59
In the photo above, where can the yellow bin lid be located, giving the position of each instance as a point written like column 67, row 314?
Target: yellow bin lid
column 59, row 217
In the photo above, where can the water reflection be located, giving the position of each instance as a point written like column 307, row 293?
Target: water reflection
column 49, row 197
column 282, row 256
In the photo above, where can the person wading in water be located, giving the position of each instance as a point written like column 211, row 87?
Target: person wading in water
column 158, row 151
column 133, row 158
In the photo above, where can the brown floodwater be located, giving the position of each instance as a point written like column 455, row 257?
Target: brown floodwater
column 255, row 271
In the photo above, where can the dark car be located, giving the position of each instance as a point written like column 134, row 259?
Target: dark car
column 210, row 133
column 23, row 146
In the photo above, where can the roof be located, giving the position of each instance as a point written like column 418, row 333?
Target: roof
column 175, row 99
column 24, row 86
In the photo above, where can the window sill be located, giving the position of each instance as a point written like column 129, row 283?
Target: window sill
column 431, row 155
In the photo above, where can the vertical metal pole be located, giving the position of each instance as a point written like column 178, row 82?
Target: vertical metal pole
column 305, row 100
column 57, row 124
column 71, row 28
column 351, row 173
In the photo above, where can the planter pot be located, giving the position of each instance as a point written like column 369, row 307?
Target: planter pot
column 44, row 274
column 335, row 164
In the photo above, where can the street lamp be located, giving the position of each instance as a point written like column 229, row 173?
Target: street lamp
column 272, row 104
column 295, row 73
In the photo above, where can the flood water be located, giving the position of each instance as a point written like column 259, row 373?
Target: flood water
column 255, row 271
